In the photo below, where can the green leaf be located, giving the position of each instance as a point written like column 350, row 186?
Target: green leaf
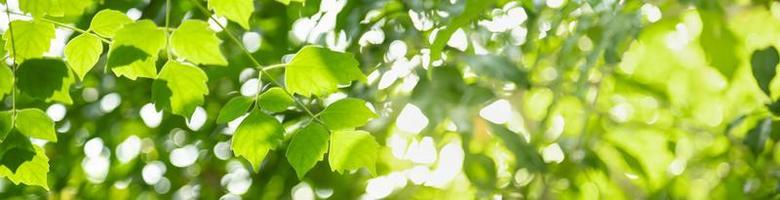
column 179, row 88
column 6, row 80
column 134, row 50
column 46, row 79
column 196, row 42
column 472, row 10
column 238, row 11
column 234, row 108
column 319, row 71
column 719, row 43
column 255, row 136
column 351, row 150
column 31, row 39
column 15, row 151
column 35, row 123
column 307, row 147
column 275, row 100
column 32, row 172
column 6, row 124
column 40, row 8
column 82, row 53
column 75, row 7
column 347, row 113
column 106, row 23
column 287, row 2
column 756, row 138
column 764, row 63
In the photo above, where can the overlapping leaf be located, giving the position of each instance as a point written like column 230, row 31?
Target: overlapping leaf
column 275, row 100
column 307, row 147
column 134, row 50
column 179, row 88
column 46, row 79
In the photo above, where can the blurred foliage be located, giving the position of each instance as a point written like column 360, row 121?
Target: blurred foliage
column 476, row 99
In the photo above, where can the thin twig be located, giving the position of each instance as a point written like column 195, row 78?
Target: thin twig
column 254, row 61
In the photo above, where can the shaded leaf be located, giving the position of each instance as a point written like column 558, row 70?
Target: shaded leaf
column 33, row 172
column 351, row 150
column 347, row 113
column 234, row 108
column 6, row 80
column 6, row 124
column 756, row 137
column 319, row 71
column 763, row 63
column 46, row 79
column 255, row 136
column 307, row 147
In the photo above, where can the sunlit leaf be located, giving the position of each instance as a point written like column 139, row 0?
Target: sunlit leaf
column 6, row 80
column 287, row 2
column 238, row 11
column 106, row 23
column 347, row 113
column 307, row 147
column 40, row 8
column 319, row 71
column 275, row 100
column 45, row 79
column 193, row 40
column 30, row 39
column 135, row 49
column 82, row 53
column 234, row 108
column 351, row 150
column 179, row 88
column 257, row 134
column 35, row 123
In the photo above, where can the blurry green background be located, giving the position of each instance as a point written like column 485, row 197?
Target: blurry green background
column 531, row 99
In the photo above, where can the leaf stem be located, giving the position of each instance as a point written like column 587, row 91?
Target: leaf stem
column 254, row 61
column 104, row 40
column 13, row 59
column 168, row 33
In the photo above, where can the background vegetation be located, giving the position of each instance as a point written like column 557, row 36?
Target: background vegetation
column 398, row 99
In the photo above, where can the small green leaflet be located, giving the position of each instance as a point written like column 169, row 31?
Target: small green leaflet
column 234, row 108
column 33, row 172
column 35, row 123
column 351, row 150
column 107, row 22
column 319, row 71
column 238, row 11
column 307, row 147
column 764, row 65
column 6, row 80
column 255, row 136
column 6, row 124
column 347, row 113
column 472, row 10
column 82, row 53
column 275, row 100
column 46, row 79
column 197, row 43
column 179, row 88
column 134, row 50
column 30, row 38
